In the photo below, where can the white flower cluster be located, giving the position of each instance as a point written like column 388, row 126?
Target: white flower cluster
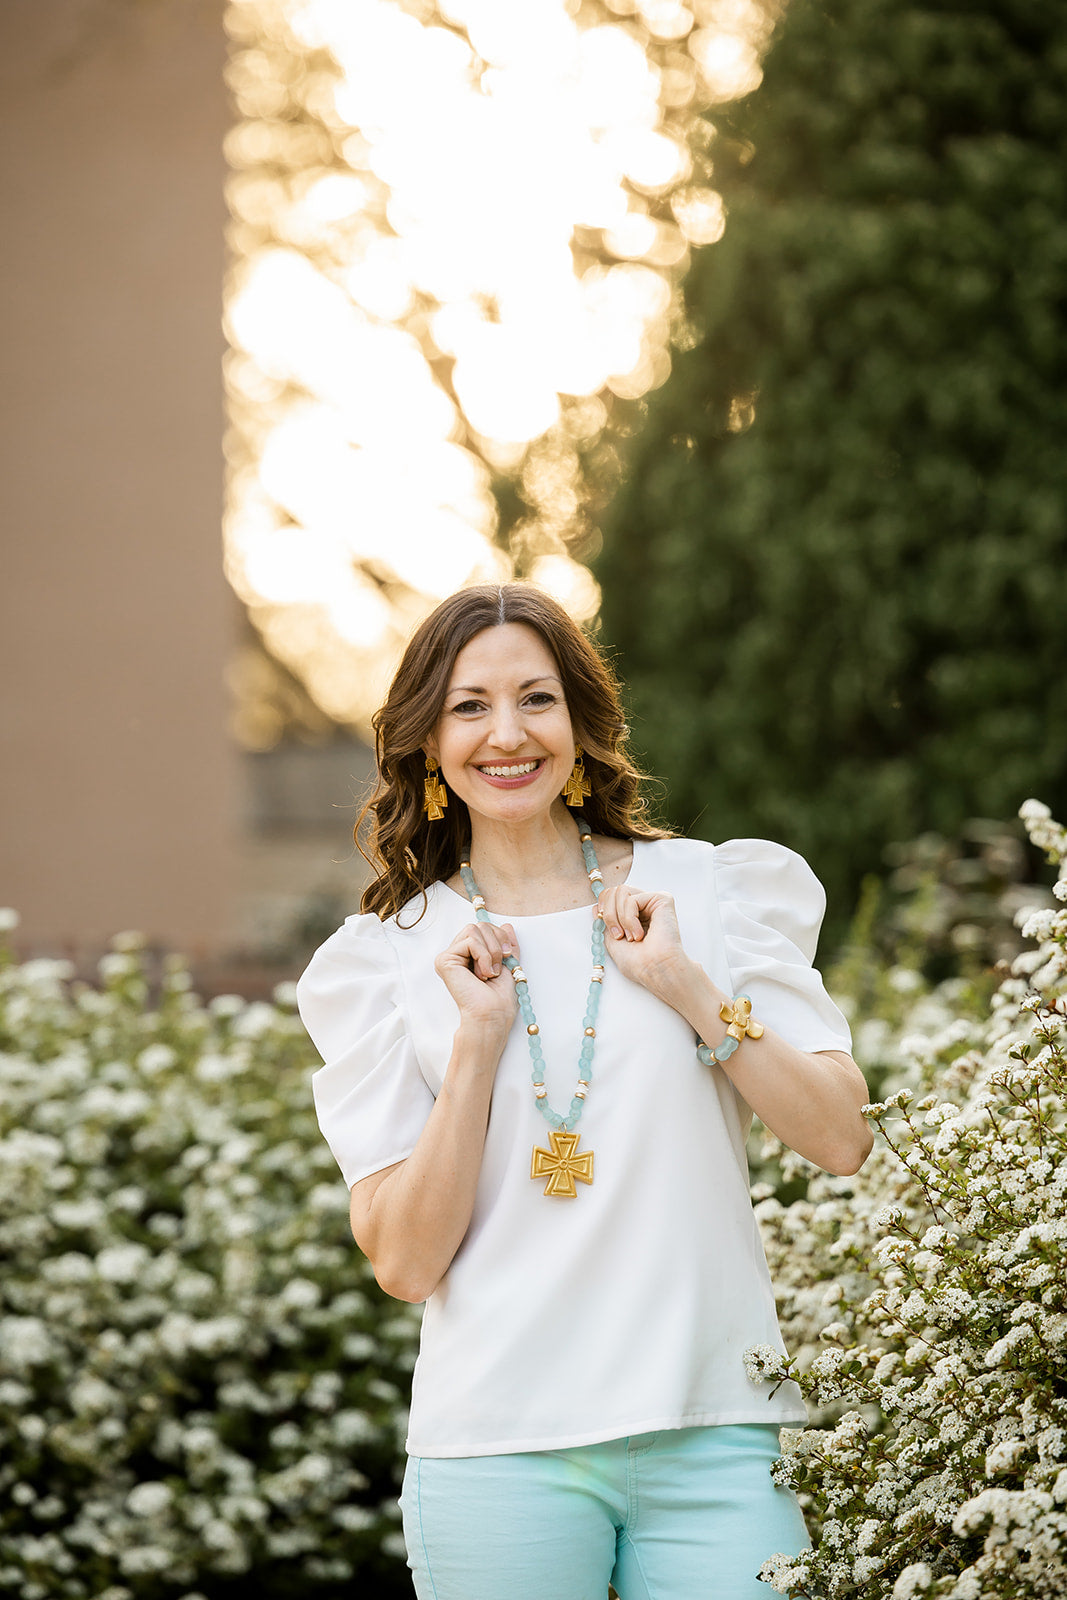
column 926, row 1298
column 200, row 1383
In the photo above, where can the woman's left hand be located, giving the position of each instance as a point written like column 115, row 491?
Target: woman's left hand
column 642, row 935
column 811, row 1100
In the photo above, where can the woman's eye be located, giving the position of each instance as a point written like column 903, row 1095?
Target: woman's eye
column 539, row 700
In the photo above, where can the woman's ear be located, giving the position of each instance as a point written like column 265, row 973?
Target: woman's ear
column 431, row 748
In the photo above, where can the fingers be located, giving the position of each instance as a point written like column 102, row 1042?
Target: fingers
column 486, row 950
column 620, row 908
column 482, row 947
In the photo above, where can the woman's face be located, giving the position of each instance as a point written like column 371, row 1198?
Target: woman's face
column 504, row 738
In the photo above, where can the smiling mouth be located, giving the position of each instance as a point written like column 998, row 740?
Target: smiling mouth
column 518, row 769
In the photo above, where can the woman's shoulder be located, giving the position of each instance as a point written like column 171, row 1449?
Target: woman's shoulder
column 359, row 950
column 362, row 936
column 731, row 853
column 369, row 940
column 756, row 872
column 350, row 982
column 758, row 855
column 762, row 884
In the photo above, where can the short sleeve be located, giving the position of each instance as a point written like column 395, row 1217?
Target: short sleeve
column 371, row 1100
column 771, row 905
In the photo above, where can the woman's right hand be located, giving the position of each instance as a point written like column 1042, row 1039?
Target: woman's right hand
column 474, row 974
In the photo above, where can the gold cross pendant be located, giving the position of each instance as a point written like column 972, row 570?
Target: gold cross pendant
column 738, row 1016
column 561, row 1165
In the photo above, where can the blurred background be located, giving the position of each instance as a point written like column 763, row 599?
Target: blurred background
column 738, row 327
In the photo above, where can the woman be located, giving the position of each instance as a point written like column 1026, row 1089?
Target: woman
column 533, row 1144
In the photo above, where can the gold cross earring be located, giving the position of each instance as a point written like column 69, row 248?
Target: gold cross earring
column 577, row 786
column 435, row 795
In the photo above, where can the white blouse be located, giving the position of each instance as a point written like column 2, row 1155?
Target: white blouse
column 568, row 1321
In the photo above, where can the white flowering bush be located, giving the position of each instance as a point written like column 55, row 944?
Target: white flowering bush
column 925, row 1299
column 202, row 1390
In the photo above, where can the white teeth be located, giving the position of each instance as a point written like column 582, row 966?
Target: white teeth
column 511, row 772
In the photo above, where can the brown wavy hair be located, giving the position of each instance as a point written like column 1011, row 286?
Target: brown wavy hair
column 406, row 850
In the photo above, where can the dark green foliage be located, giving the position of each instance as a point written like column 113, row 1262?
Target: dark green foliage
column 844, row 622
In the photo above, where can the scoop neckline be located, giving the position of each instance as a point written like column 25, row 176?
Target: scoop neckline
column 537, row 916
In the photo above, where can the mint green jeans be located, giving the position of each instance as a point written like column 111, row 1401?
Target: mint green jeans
column 682, row 1514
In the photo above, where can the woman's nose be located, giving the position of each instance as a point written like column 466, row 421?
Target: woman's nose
column 507, row 731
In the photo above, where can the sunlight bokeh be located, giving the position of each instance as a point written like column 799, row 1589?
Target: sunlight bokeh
column 454, row 227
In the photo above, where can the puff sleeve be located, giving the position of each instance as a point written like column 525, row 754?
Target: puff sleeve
column 370, row 1097
column 771, row 905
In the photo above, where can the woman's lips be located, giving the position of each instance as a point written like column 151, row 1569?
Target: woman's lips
column 511, row 774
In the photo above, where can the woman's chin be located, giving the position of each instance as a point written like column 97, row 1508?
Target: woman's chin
column 524, row 803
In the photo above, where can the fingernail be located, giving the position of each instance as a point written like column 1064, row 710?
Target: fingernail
column 496, row 969
column 617, row 932
column 630, row 937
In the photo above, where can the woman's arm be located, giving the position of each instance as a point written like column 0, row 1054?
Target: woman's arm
column 810, row 1100
column 409, row 1219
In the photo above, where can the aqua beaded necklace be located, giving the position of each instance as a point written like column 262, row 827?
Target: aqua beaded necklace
column 563, row 1163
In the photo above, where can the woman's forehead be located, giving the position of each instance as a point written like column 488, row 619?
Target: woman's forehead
column 510, row 652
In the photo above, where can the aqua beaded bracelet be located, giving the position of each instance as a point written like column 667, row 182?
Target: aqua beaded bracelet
column 737, row 1014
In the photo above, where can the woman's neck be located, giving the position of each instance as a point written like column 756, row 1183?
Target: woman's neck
column 529, row 868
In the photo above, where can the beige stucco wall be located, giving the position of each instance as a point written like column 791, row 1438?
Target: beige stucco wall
column 117, row 787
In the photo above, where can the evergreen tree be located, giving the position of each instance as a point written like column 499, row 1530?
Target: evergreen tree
column 836, row 574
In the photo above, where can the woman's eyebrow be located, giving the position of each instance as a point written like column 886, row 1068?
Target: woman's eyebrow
column 468, row 688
